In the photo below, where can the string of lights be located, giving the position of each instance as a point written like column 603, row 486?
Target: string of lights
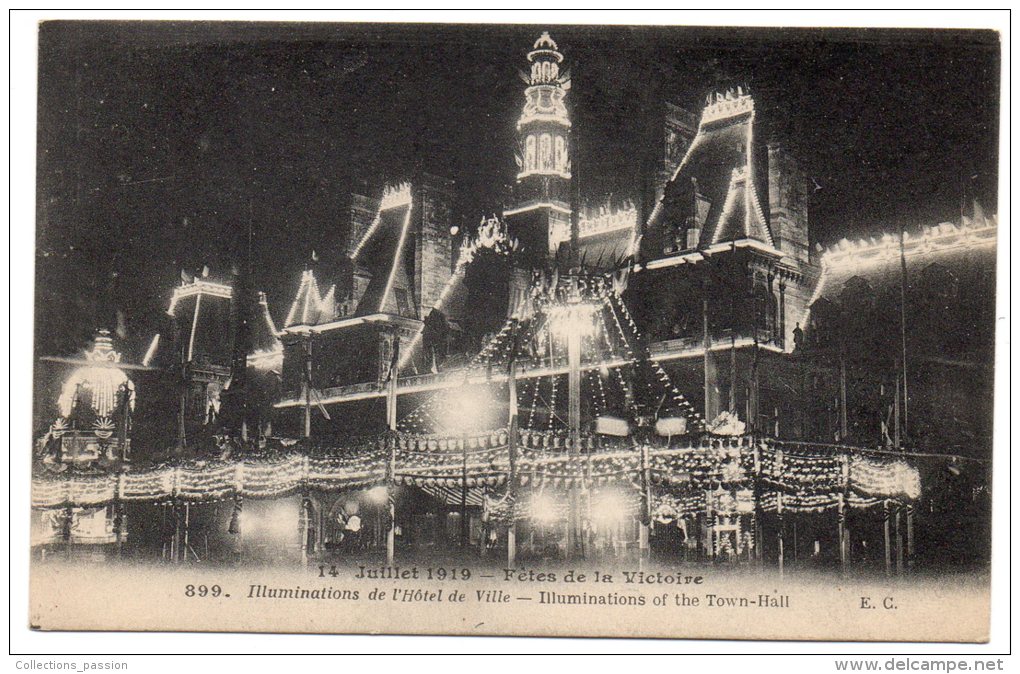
column 807, row 481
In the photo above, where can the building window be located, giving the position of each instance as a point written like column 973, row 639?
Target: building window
column 529, row 154
column 766, row 309
column 403, row 303
column 561, row 154
column 545, row 151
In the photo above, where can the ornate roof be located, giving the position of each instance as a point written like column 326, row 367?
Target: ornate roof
column 544, row 41
column 715, row 187
column 309, row 306
column 382, row 251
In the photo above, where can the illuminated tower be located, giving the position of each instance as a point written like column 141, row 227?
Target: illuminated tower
column 93, row 431
column 539, row 216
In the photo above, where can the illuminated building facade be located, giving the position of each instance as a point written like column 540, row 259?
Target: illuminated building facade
column 214, row 336
column 672, row 364
column 373, row 316
column 724, row 260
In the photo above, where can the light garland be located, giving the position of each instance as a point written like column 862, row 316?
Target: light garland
column 723, row 467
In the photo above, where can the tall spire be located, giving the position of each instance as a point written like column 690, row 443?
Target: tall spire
column 542, row 191
column 544, row 123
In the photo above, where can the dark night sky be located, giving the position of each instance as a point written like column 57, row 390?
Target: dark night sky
column 159, row 142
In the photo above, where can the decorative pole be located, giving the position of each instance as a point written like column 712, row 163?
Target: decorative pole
column 903, row 323
column 843, row 534
column 706, row 342
column 464, row 529
column 511, row 533
column 910, row 538
column 574, row 419
column 305, row 522
column 119, row 519
column 779, row 512
column 886, row 536
column 67, row 526
column 307, row 385
column 899, row 541
column 646, row 501
column 758, row 513
column 186, row 545
column 391, row 466
column 843, row 426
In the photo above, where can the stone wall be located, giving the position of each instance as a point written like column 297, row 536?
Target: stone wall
column 788, row 204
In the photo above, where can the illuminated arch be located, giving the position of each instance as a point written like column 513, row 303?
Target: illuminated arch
column 529, row 154
column 545, row 151
column 561, row 154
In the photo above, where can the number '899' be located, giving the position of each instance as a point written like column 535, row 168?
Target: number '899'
column 202, row 590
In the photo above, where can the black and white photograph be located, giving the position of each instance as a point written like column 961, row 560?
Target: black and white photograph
column 514, row 330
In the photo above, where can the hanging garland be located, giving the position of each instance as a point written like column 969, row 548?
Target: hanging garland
column 809, row 481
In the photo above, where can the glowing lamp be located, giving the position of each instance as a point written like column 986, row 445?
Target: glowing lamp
column 377, row 495
column 465, row 409
column 608, row 508
column 544, row 508
column 671, row 426
column 566, row 320
column 281, row 521
column 606, row 425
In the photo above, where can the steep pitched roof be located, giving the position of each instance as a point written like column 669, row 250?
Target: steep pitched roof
column 741, row 216
column 264, row 334
column 309, row 306
column 382, row 251
column 720, row 173
column 602, row 251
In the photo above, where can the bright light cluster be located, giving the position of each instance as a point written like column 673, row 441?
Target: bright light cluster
column 603, row 220
column 198, row 287
column 101, row 380
column 395, row 196
column 309, row 306
column 565, row 320
column 946, row 236
column 722, row 105
column 896, row 478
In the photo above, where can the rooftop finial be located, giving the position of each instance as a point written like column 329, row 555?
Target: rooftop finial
column 544, row 41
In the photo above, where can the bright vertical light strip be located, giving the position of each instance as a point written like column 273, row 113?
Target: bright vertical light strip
column 394, row 197
column 396, row 258
column 292, row 314
column 313, row 287
column 151, row 351
column 727, row 208
column 748, row 176
column 194, row 326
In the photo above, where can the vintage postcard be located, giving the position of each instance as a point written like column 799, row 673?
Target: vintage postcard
column 515, row 330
